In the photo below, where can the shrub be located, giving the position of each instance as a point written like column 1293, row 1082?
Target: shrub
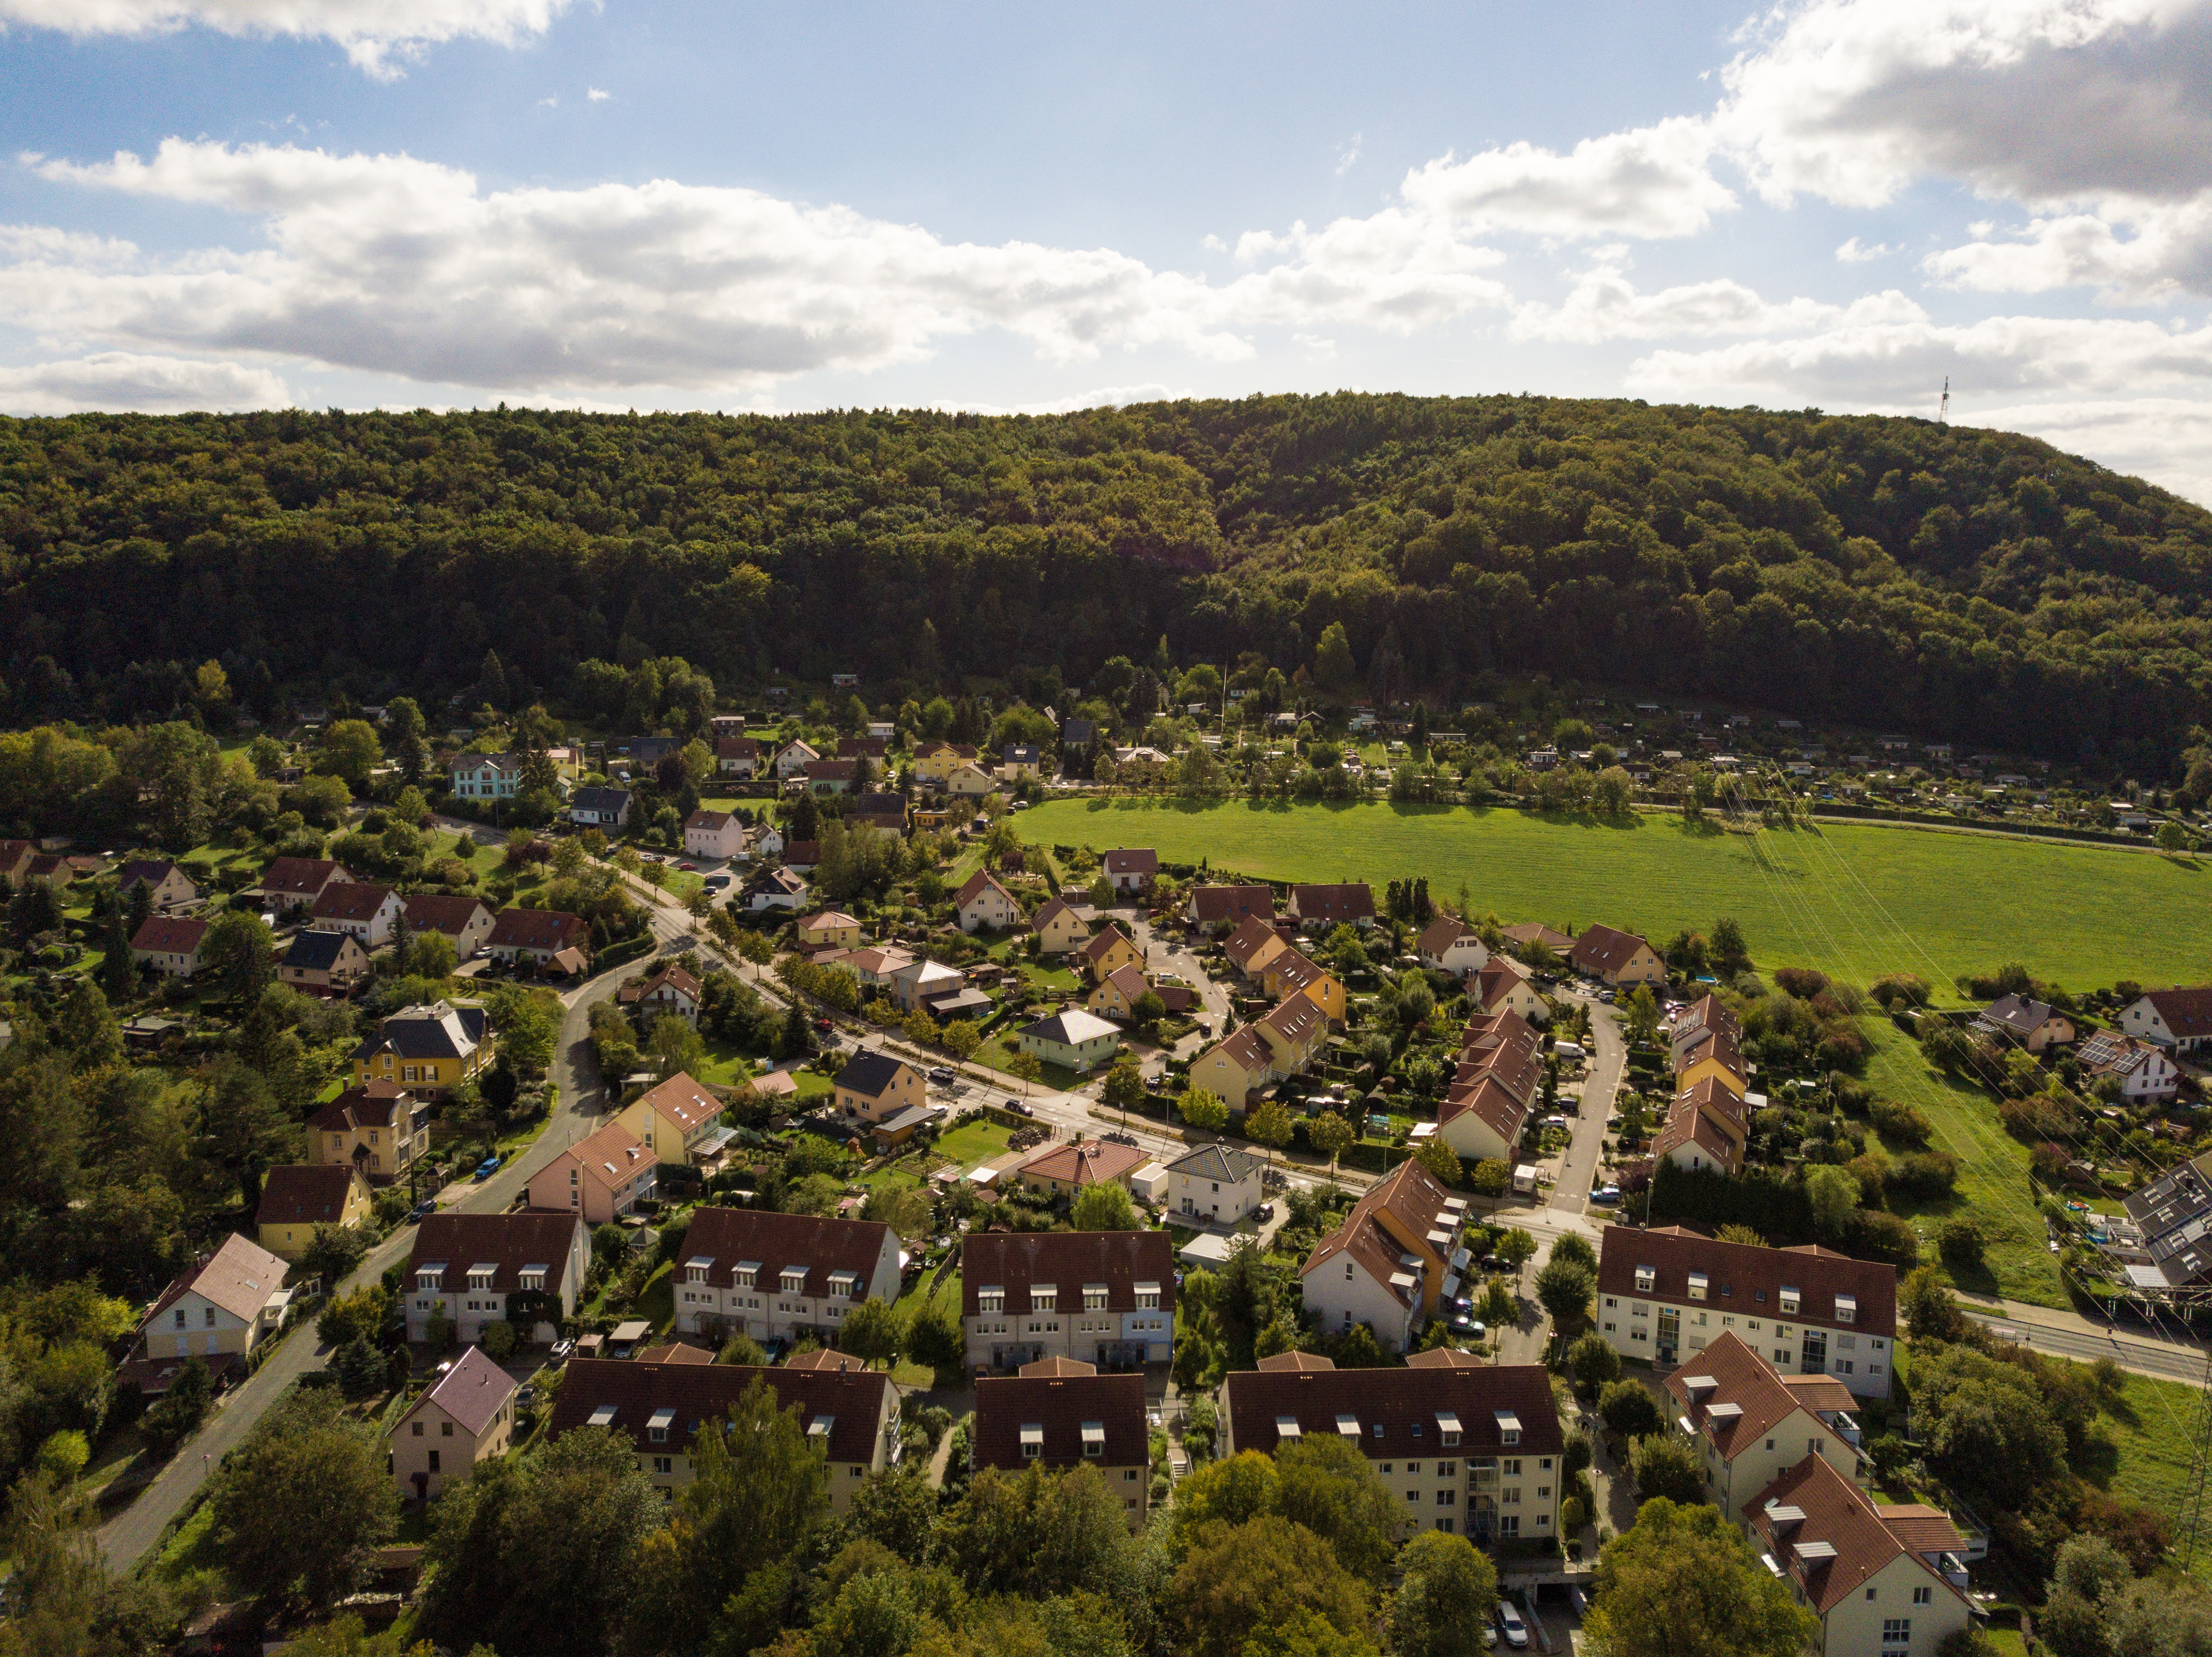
column 1898, row 1122
column 1878, row 1236
column 1959, row 1242
column 1801, row 981
column 1928, row 1175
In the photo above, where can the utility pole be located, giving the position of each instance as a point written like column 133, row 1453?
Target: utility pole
column 2202, row 1461
column 1944, row 408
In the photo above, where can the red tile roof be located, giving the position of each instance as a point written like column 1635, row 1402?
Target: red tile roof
column 441, row 911
column 299, row 877
column 1012, row 1261
column 507, row 1242
column 1741, row 1377
column 1336, row 904
column 349, row 901
column 852, row 1401
column 682, row 1100
column 1750, row 1279
column 772, row 1241
column 1062, row 1406
column 1405, row 1404
column 1604, row 951
column 1837, row 1513
column 169, row 935
column 975, row 886
column 536, row 929
column 1212, row 903
column 304, row 1194
column 1084, row 1162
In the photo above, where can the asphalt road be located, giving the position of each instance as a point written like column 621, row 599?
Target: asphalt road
column 2142, row 1354
column 1578, row 1168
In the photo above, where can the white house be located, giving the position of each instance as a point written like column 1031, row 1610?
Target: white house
column 2177, row 1018
column 1448, row 946
column 482, row 1268
column 487, row 775
column 1215, row 1184
column 983, row 903
column 793, row 759
column 719, row 834
column 2144, row 1072
column 599, row 809
column 776, row 888
column 1100, row 1297
column 366, row 911
column 220, row 1310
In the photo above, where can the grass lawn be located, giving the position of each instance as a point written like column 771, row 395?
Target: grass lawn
column 974, row 1142
column 1960, row 895
column 894, row 1178
column 999, row 1052
column 2150, row 1422
column 724, row 1064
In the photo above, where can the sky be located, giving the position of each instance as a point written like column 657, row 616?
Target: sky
column 701, row 203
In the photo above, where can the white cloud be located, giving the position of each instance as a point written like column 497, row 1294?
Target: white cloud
column 376, row 34
column 1653, row 181
column 1856, row 253
column 391, row 264
column 2169, row 252
column 2167, row 439
column 1346, row 156
column 151, row 385
column 1104, row 397
column 1604, row 304
column 594, row 95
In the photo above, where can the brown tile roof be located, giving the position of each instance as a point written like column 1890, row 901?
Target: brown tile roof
column 1062, row 1405
column 1442, row 934
column 1067, row 1260
column 698, row 1394
column 1604, row 950
column 1295, row 969
column 1716, row 1044
column 442, row 911
column 1052, row 910
column 1505, row 1047
column 1741, row 1378
column 304, row 1194
column 712, row 821
column 1491, row 1102
column 612, row 1152
column 1212, row 903
column 1247, row 1049
column 536, row 928
column 1084, row 1162
column 1837, row 1513
column 822, row 1358
column 2187, row 1012
column 671, row 977
column 827, row 920
column 1295, row 1019
column 1296, row 1360
column 1821, row 1392
column 240, row 1277
column 1101, row 943
column 737, row 747
column 1130, row 981
column 861, row 747
column 1414, row 1197
column 1525, row 933
column 1442, row 1357
column 1750, row 1279
column 805, row 853
column 1142, row 863
column 299, row 877
column 349, row 901
column 169, row 935
column 1497, row 980
column 1688, row 1127
column 471, row 1393
column 1057, row 1366
column 1921, row 1528
column 682, row 1100
column 771, row 1241
column 1706, row 1012
column 1250, row 935
column 368, row 1105
column 1398, row 1401
column 973, row 887
column 1352, row 901
column 830, row 771
column 506, row 1241
column 152, row 870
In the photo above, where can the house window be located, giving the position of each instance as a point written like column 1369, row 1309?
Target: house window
column 1897, row 1630
column 445, row 1430
column 1922, row 1596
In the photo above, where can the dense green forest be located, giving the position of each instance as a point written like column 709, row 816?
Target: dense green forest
column 1893, row 573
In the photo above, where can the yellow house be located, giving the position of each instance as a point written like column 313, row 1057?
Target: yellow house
column 1619, row 959
column 935, row 762
column 1289, row 972
column 1294, row 1030
column 1059, row 928
column 426, row 1049
column 1118, row 993
column 378, row 1127
column 673, row 1119
column 970, row 783
column 832, row 928
column 1108, row 953
column 1710, row 1056
column 1235, row 1068
column 1253, row 944
column 298, row 1196
column 467, row 1417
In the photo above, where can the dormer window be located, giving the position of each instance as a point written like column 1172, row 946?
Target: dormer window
column 1094, row 1297
column 845, row 1285
column 1698, row 1282
column 1033, row 1440
column 1148, row 1297
column 1847, row 1308
column 1448, row 1425
column 1509, row 1427
column 747, row 1275
column 1044, row 1297
column 1647, row 1279
column 793, row 1280
column 431, row 1276
column 533, row 1277
column 992, row 1299
column 1094, row 1439
column 696, row 1267
column 1789, row 1300
column 656, row 1427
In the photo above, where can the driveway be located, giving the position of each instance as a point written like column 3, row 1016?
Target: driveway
column 1608, row 1061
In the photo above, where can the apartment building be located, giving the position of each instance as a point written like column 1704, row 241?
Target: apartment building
column 1748, row 1423
column 1060, row 1414
column 1395, row 1255
column 482, row 1268
column 602, row 1177
column 1473, row 1450
column 1666, row 1294
column 771, row 1275
column 1103, row 1297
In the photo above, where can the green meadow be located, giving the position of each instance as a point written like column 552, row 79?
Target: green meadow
column 1854, row 900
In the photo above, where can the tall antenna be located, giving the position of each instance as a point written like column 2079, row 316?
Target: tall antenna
column 2201, row 1462
column 1944, row 408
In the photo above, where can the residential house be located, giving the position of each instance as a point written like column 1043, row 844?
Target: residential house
column 792, row 759
column 983, row 903
column 918, row 982
column 1214, row 1185
column 832, row 929
column 168, row 889
column 737, row 756
column 220, row 1310
column 1709, row 1052
column 1666, row 1292
column 1061, row 1414
column 1447, row 945
column 1295, row 1031
column 1059, row 927
column 297, row 1196
column 1108, row 951
column 1131, row 871
column 850, row 1415
column 1077, row 738
column 464, row 919
column 886, row 812
column 1467, row 1450
column 14, row 857
column 780, row 887
column 1060, row 1170
column 725, row 725
column 365, row 911
column 765, row 840
column 802, row 857
column 778, row 1277
column 426, row 1048
column 1288, row 971
column 290, row 885
column 1103, row 1297
column 1529, row 934
column 1231, row 906
column 875, row 1087
column 1021, row 760
column 1390, row 1261
column 826, row 776
column 1317, row 908
column 524, row 1268
column 1747, row 1424
column 1118, row 993
column 970, row 781
column 600, row 1177
column 377, row 1127
column 1253, row 944
column 871, row 748
column 170, row 943
column 599, row 809
column 1707, row 1126
column 715, row 834
column 52, row 868
column 2144, row 1072
column 1502, row 986
column 2177, row 1018
column 468, row 1416
column 1235, row 1067
column 646, row 753
column 2166, row 1241
column 540, row 936
column 2035, row 1025
column 1619, row 959
column 676, row 1120
column 1072, row 1038
column 1881, row 1579
column 935, row 762
column 669, row 991
column 487, row 775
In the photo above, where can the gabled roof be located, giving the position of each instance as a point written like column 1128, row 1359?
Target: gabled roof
column 976, row 885
column 1058, row 1410
column 368, row 1105
column 1129, row 980
column 1440, row 1358
column 1101, row 943
column 872, row 1074
column 304, row 1194
column 1295, row 1360
column 536, row 928
column 1412, row 1408
column 712, row 822
column 1812, row 1503
column 240, row 1277
column 1491, row 1102
column 611, row 1154
column 1497, row 980
column 506, row 1242
column 628, row 1395
column 1748, row 1278
column 1442, row 934
column 1414, row 1198
column 1051, row 910
column 807, row 854
column 769, row 1242
column 1070, row 1027
column 671, row 977
column 825, row 920
column 151, row 870
column 1211, row 903
column 1216, row 1162
column 1525, row 933
column 737, row 747
column 1604, row 950
column 440, row 1030
column 782, row 878
column 1350, row 901
column 1247, row 1049
column 441, row 911
column 1296, row 970
column 1014, row 1262
column 299, row 877
column 597, row 800
column 1752, row 1400
column 2187, row 1012
column 1690, row 1126
column 1084, row 1162
column 1143, row 862
column 1252, row 934
column 1294, row 1018
column 830, row 771
column 682, row 1100
column 169, row 935
column 470, row 1393
column 350, row 900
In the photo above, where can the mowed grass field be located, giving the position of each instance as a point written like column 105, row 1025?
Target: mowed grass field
column 1855, row 900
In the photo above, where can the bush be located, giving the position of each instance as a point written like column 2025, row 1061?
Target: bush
column 1627, row 1408
column 1595, row 1363
column 1959, row 1242
column 1902, row 1123
column 1928, row 1175
column 1878, row 1236
column 1802, row 983
column 499, row 1342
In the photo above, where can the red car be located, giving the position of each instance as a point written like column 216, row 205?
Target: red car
column 689, row 869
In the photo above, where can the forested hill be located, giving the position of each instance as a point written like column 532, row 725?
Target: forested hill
column 1895, row 573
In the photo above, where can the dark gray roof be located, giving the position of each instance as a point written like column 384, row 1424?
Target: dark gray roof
column 426, row 1033
column 869, row 1073
column 317, row 952
column 1079, row 734
column 598, row 800
column 1216, row 1162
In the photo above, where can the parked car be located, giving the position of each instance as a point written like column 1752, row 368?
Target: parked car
column 489, row 1167
column 1512, row 1626
column 560, row 1351
column 825, row 1025
column 1265, row 1210
column 423, row 1209
column 941, row 1076
column 716, row 883
column 1605, row 1194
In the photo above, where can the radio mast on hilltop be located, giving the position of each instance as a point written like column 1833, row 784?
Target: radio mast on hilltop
column 1944, row 408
